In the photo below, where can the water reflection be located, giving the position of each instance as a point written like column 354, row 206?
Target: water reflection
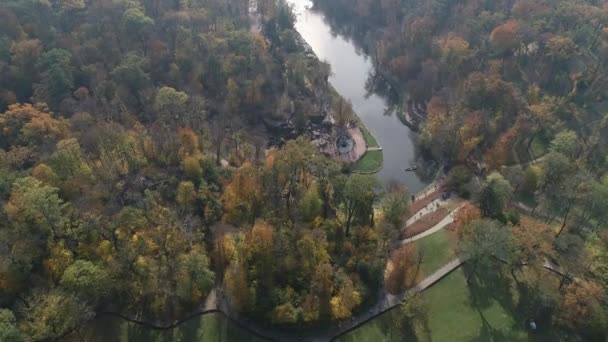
column 352, row 68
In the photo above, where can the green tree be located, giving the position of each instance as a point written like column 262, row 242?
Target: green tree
column 136, row 24
column 54, row 66
column 395, row 205
column 355, row 195
column 49, row 316
column 37, row 206
column 311, row 205
column 482, row 239
column 68, row 161
column 87, row 280
column 413, row 315
column 194, row 278
column 566, row 143
column 494, row 195
column 170, row 104
column 8, row 327
column 186, row 194
column 131, row 72
column 458, row 179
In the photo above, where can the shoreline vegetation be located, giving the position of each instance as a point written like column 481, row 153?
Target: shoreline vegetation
column 372, row 161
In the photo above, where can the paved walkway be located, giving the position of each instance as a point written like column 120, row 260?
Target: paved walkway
column 427, row 191
column 431, row 207
column 391, row 301
column 439, row 226
column 211, row 300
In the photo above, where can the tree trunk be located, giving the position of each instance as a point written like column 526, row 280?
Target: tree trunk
column 418, row 265
column 534, row 209
column 565, row 221
column 349, row 218
column 472, row 271
column 529, row 148
column 218, row 151
column 514, row 276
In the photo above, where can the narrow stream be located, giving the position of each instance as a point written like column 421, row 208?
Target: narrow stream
column 350, row 68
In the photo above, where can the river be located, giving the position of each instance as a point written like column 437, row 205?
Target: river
column 350, row 69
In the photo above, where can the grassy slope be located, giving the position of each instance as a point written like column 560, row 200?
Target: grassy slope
column 369, row 138
column 437, row 250
column 370, row 163
column 451, row 317
column 486, row 309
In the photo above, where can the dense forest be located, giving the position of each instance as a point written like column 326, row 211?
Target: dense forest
column 511, row 97
column 492, row 75
column 154, row 154
column 133, row 177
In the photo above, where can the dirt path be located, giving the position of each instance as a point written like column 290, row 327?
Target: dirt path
column 360, row 146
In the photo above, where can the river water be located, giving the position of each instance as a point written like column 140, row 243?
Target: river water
column 351, row 67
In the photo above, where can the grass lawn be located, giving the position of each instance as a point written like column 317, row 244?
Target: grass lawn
column 456, row 314
column 370, row 163
column 437, row 250
column 208, row 328
column 370, row 140
column 484, row 310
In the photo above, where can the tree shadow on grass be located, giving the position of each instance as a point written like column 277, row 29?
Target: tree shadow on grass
column 487, row 333
column 490, row 283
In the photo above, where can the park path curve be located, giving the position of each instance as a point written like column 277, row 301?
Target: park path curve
column 449, row 219
column 386, row 303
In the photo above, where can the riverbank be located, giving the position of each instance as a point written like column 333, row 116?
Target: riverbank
column 351, row 70
column 371, row 161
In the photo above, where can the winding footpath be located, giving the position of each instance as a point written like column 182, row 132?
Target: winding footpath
column 217, row 303
column 386, row 303
column 449, row 219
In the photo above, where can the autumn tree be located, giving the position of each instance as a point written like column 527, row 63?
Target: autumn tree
column 31, row 125
column 402, row 270
column 345, row 299
column 242, row 196
column 581, row 307
column 505, row 37
column 465, row 216
column 532, row 244
column 51, row 315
